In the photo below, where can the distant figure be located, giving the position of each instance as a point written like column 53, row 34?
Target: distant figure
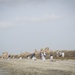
column 57, row 53
column 33, row 56
column 43, row 58
column 40, row 55
column 51, row 57
column 44, row 54
column 63, row 54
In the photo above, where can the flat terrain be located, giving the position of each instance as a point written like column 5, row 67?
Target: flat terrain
column 38, row 67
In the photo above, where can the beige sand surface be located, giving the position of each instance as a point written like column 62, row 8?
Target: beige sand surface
column 38, row 67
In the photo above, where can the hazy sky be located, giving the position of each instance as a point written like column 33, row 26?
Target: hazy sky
column 26, row 25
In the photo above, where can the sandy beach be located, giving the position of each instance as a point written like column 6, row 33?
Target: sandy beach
column 38, row 67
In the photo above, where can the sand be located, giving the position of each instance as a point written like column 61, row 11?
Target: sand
column 38, row 67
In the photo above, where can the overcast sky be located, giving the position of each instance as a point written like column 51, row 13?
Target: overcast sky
column 26, row 25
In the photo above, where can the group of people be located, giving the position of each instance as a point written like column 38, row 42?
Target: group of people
column 60, row 54
column 43, row 55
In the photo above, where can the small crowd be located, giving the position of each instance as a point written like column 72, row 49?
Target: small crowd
column 43, row 56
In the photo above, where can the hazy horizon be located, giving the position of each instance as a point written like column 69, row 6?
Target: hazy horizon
column 26, row 25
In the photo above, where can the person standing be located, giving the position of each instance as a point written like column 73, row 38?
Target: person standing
column 43, row 58
column 40, row 55
column 44, row 54
column 51, row 57
column 63, row 54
